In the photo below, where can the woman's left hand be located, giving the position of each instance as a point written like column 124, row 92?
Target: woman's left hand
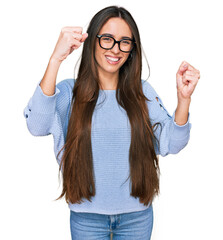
column 187, row 79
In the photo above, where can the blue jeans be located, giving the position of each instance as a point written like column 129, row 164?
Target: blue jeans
column 126, row 226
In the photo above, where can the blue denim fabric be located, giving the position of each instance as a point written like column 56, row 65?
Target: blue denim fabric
column 126, row 226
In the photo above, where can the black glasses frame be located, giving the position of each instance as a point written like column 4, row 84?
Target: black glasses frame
column 115, row 41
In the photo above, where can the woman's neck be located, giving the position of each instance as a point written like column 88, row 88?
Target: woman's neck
column 108, row 81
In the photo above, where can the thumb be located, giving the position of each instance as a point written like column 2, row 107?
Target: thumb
column 84, row 36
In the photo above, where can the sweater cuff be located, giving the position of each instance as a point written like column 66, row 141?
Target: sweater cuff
column 180, row 131
column 42, row 103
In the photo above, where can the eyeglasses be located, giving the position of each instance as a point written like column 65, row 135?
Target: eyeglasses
column 108, row 42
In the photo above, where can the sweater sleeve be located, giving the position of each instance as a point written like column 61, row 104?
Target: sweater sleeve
column 172, row 138
column 47, row 115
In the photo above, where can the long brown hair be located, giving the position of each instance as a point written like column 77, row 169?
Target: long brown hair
column 76, row 162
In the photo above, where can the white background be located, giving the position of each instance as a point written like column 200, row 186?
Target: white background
column 190, row 203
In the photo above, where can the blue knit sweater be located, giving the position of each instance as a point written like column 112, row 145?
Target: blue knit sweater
column 110, row 138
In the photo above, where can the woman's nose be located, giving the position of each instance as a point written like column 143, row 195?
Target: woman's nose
column 115, row 48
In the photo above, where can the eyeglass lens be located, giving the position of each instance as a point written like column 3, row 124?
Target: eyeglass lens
column 108, row 42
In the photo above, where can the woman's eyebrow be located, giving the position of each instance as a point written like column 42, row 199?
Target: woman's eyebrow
column 107, row 34
column 111, row 35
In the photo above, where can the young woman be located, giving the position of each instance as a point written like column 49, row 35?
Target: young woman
column 109, row 127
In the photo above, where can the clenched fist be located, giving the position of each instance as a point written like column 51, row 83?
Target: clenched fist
column 70, row 38
column 187, row 79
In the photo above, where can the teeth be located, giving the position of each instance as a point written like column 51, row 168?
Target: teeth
column 113, row 59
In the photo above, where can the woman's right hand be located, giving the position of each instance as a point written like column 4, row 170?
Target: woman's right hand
column 70, row 38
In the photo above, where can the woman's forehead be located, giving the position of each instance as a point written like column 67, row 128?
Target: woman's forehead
column 117, row 27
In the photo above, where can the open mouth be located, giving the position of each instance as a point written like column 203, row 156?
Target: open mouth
column 113, row 60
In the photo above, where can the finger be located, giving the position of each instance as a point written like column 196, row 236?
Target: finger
column 77, row 29
column 77, row 36
column 84, row 36
column 191, row 68
column 191, row 73
column 187, row 79
column 74, row 29
column 183, row 67
column 197, row 72
column 76, row 44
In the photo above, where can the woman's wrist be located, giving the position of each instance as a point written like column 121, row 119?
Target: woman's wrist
column 55, row 61
column 181, row 114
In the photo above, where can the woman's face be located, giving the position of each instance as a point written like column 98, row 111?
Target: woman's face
column 110, row 61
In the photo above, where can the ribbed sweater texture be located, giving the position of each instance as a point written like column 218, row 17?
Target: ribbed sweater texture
column 110, row 139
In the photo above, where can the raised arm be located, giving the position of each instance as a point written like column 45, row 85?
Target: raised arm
column 41, row 108
column 70, row 38
column 174, row 132
column 187, row 79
